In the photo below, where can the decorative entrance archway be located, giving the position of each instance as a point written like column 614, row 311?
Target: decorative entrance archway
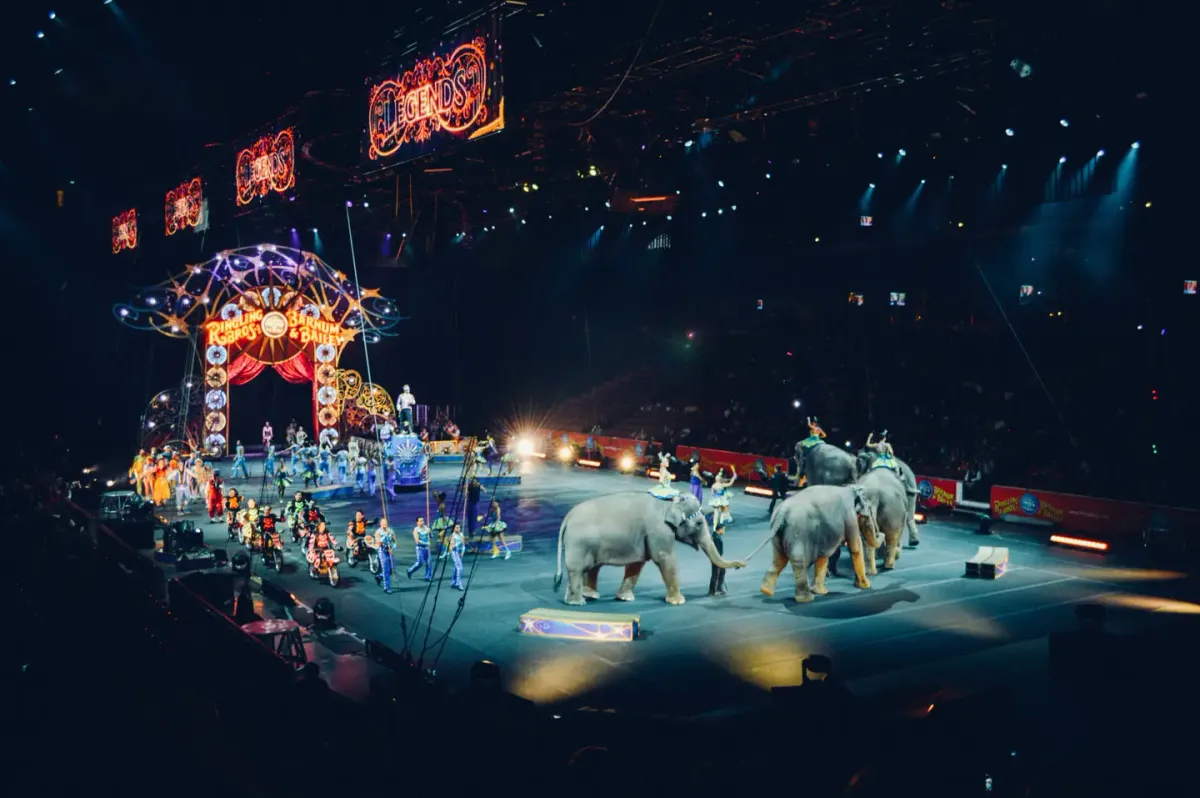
column 268, row 306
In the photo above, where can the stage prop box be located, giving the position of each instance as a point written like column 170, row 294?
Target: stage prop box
column 988, row 563
column 595, row 626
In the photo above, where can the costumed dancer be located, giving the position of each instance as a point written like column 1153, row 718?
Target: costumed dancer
column 282, row 482
column 146, row 478
column 696, row 483
column 458, row 545
column 455, row 435
column 181, row 483
column 420, row 535
column 360, row 475
column 294, row 458
column 310, row 469
column 162, row 485
column 135, row 471
column 325, row 464
column 343, row 465
column 816, row 435
column 267, row 435
column 440, row 525
column 249, row 518
column 239, row 461
column 390, row 474
column 385, row 539
column 290, row 433
column 405, row 403
column 885, row 457
column 301, row 437
column 474, row 489
column 352, row 450
column 233, row 506
column 270, row 463
column 495, row 529
column 372, row 477
column 720, row 497
column 216, row 498
column 663, row 489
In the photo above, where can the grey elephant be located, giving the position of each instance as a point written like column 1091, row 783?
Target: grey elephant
column 865, row 464
column 888, row 509
column 824, row 464
column 630, row 529
column 810, row 526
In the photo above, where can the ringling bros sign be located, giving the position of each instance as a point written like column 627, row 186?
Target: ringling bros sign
column 124, row 231
column 454, row 95
column 298, row 328
column 267, row 165
column 1101, row 517
column 183, row 206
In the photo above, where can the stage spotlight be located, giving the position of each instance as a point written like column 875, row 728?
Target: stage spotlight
column 768, row 173
column 1008, row 131
column 41, row 35
column 1003, row 166
column 564, row 453
column 721, row 183
column 1099, row 153
column 796, row 403
column 870, row 185
column 13, row 82
column 524, row 447
column 922, row 181
column 733, row 207
column 668, row 218
column 903, row 152
column 1064, row 123
column 880, row 155
column 1135, row 145
column 626, row 463
column 314, row 229
column 688, row 143
column 53, row 15
column 1062, row 159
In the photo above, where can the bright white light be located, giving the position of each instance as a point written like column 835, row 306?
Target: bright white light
column 1062, row 159
column 150, row 424
column 366, row 205
column 1008, row 131
column 1135, row 145
column 524, row 447
column 922, row 182
column 688, row 143
column 881, row 155
column 110, row 483
column 1099, row 153
column 564, row 453
column 870, row 185
column 768, row 173
column 1003, row 166
column 796, row 403
column 733, row 207
column 668, row 218
column 124, row 312
column 12, row 81
column 151, row 301
column 721, row 183
column 903, row 152
column 703, row 214
column 626, row 463
column 720, row 211
column 1064, row 123
column 162, row 397
column 53, row 15
column 41, row 35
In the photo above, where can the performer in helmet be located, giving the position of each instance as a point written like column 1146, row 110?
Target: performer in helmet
column 420, row 535
column 239, row 461
column 458, row 546
column 135, row 471
column 385, row 539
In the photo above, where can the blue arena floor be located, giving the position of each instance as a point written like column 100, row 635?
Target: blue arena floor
column 923, row 625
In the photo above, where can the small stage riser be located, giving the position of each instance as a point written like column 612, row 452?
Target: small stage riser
column 593, row 627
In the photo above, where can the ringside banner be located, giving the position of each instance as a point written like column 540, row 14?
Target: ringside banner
column 1103, row 517
column 712, row 459
column 936, row 492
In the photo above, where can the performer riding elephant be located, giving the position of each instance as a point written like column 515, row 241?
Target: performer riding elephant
column 821, row 463
column 629, row 529
column 808, row 527
column 878, row 456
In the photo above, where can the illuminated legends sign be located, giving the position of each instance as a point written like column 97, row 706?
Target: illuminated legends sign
column 299, row 329
column 124, row 231
column 267, row 165
column 446, row 97
column 183, row 206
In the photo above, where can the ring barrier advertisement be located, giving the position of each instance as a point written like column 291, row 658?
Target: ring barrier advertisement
column 607, row 445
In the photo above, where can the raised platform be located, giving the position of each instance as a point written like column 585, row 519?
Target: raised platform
column 598, row 627
column 989, row 562
column 441, row 459
column 498, row 481
column 483, row 545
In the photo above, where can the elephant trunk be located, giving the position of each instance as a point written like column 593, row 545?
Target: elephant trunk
column 868, row 525
column 709, row 548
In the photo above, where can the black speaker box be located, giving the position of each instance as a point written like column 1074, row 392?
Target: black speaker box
column 195, row 559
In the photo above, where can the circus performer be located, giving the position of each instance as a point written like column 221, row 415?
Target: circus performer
column 696, row 483
column 385, row 540
column 441, row 525
column 455, row 435
column 135, row 471
column 458, row 546
column 352, row 450
column 239, row 461
column 270, row 463
column 372, row 477
column 197, row 476
column 360, row 475
column 325, row 464
column 146, row 480
column 282, row 482
column 420, row 535
column 390, row 474
column 343, row 464
column 267, row 435
column 216, row 497
column 294, row 462
column 233, row 506
column 162, row 485
column 720, row 497
column 816, row 435
column 181, row 487
column 885, row 457
column 405, row 405
column 663, row 489
column 290, row 433
column 310, row 469
column 716, row 579
column 495, row 527
column 301, row 436
column 249, row 518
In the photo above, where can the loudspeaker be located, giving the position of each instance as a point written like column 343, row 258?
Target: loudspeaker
column 194, row 559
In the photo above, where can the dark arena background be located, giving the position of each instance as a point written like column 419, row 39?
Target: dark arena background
column 589, row 261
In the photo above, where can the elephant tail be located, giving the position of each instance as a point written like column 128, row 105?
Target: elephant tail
column 558, row 573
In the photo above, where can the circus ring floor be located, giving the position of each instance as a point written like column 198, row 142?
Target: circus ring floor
column 922, row 626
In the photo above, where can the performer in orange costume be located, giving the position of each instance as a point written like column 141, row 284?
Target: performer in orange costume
column 162, row 485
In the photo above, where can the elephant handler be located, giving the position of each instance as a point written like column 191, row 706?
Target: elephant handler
column 716, row 582
column 779, row 486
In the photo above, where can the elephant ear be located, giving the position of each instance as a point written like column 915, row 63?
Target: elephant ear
column 861, row 506
column 676, row 513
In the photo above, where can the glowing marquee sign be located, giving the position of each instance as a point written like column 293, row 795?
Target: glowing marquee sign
column 183, row 206
column 124, row 230
column 455, row 96
column 267, row 165
column 299, row 328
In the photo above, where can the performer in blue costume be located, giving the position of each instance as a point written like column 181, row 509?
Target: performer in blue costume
column 270, row 464
column 372, row 477
column 697, row 482
column 458, row 545
column 239, row 461
column 663, row 489
column 343, row 465
column 389, row 476
column 884, row 456
column 294, row 460
column 325, row 464
column 421, row 540
column 441, row 526
column 494, row 526
column 360, row 475
column 385, row 539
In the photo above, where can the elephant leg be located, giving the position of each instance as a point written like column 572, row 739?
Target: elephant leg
column 800, row 571
column 910, row 521
column 632, row 572
column 822, row 565
column 772, row 575
column 574, row 588
column 670, row 575
column 891, row 551
column 589, row 583
column 860, row 570
column 869, row 559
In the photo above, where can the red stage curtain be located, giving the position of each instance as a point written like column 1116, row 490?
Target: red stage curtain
column 243, row 369
column 297, row 369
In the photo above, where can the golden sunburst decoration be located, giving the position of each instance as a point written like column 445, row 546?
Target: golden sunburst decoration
column 215, row 377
